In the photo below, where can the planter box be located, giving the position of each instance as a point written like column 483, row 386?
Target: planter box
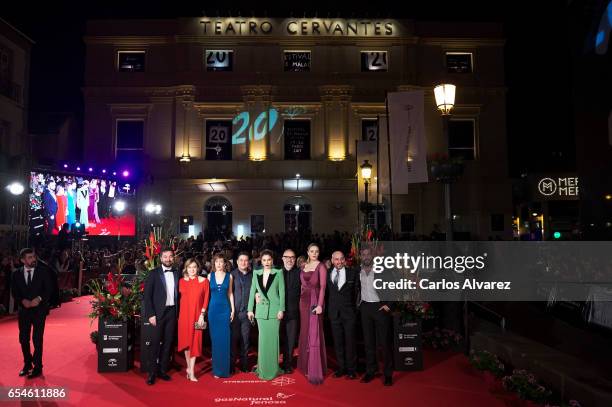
column 407, row 345
column 115, row 346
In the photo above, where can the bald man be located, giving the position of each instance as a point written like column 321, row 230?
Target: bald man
column 342, row 285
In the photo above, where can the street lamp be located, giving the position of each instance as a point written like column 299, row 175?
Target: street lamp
column 445, row 101
column 15, row 189
column 366, row 174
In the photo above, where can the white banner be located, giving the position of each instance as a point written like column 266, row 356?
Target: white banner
column 407, row 134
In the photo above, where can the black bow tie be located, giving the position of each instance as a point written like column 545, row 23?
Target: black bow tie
column 168, row 271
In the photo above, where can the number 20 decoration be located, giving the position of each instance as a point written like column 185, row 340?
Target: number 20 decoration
column 262, row 125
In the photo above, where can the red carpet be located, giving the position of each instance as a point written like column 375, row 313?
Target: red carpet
column 70, row 361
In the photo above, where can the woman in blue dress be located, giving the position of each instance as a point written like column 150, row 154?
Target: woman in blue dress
column 220, row 315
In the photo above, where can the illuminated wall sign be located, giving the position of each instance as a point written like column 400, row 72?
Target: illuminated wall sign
column 219, row 59
column 369, row 130
column 218, row 145
column 374, row 61
column 459, row 62
column 297, row 27
column 297, row 139
column 297, row 61
column 131, row 61
column 556, row 188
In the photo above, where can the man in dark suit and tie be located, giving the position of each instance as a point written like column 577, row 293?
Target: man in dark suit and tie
column 241, row 326
column 31, row 285
column 291, row 322
column 50, row 206
column 342, row 312
column 161, row 299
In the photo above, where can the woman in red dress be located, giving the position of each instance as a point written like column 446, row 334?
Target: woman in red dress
column 62, row 207
column 194, row 292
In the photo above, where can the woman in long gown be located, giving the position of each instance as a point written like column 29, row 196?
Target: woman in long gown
column 312, row 359
column 269, row 283
column 62, row 207
column 71, row 199
column 194, row 292
column 220, row 316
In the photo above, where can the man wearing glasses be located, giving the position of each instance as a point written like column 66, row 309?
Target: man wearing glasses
column 290, row 323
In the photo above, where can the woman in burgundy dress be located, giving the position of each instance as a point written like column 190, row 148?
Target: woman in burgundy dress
column 312, row 359
column 194, row 292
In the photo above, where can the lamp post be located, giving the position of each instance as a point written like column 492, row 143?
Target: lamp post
column 366, row 174
column 445, row 100
column 16, row 189
column 119, row 207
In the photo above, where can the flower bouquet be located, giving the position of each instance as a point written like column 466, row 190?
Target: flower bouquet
column 526, row 386
column 415, row 311
column 441, row 339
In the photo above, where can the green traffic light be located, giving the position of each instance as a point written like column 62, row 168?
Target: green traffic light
column 557, row 235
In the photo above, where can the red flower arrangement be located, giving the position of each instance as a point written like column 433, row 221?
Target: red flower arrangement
column 113, row 299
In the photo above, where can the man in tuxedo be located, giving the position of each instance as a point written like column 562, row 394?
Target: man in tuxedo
column 50, row 206
column 342, row 312
column 161, row 299
column 241, row 326
column 376, row 322
column 32, row 286
column 290, row 324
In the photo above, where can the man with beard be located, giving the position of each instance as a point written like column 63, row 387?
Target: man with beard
column 291, row 322
column 32, row 289
column 342, row 293
column 376, row 322
column 161, row 299
column 241, row 326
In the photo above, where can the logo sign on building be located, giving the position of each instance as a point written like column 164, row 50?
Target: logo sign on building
column 218, row 140
column 297, row 61
column 556, row 188
column 369, row 130
column 374, row 61
column 219, row 59
column 297, row 139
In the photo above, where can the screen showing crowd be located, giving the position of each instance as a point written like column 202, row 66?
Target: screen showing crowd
column 74, row 202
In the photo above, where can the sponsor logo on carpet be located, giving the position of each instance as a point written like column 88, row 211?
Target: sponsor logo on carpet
column 283, row 381
column 278, row 399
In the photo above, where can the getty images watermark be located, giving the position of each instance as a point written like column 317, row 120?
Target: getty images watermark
column 488, row 271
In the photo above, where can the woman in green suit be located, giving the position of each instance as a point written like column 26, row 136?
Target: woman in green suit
column 269, row 286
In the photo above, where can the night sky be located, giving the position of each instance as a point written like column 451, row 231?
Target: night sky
column 537, row 58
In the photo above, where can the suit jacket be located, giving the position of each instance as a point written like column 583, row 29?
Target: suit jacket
column 342, row 303
column 293, row 290
column 155, row 293
column 49, row 202
column 272, row 295
column 41, row 285
column 240, row 290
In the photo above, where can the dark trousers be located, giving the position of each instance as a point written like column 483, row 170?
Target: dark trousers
column 376, row 333
column 241, row 329
column 343, row 331
column 163, row 332
column 32, row 323
column 289, row 335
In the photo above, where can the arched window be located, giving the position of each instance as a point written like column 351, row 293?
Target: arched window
column 218, row 217
column 298, row 214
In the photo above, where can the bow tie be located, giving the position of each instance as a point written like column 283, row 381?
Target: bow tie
column 168, row 271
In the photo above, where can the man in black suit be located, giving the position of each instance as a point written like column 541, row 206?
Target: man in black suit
column 31, row 285
column 161, row 299
column 290, row 324
column 376, row 322
column 50, row 206
column 241, row 326
column 342, row 312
